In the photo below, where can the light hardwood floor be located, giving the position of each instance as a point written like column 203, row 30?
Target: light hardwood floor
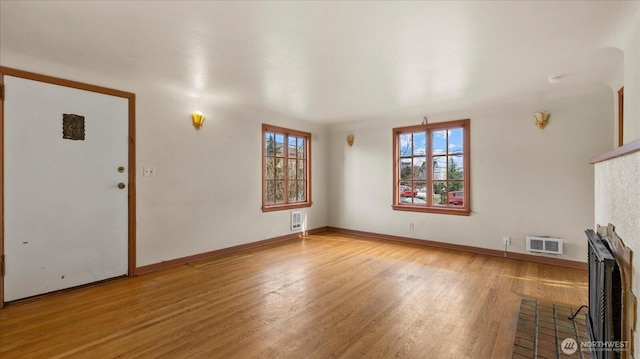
column 325, row 296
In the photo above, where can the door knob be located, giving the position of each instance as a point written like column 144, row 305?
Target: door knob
column 121, row 185
column 120, row 169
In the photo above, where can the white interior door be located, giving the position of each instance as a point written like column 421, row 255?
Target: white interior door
column 65, row 216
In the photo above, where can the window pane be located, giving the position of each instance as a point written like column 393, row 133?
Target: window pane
column 271, row 192
column 405, row 168
column 419, row 168
column 407, row 200
column 292, row 147
column 301, row 191
column 279, row 168
column 279, row 191
column 405, row 191
column 439, row 193
column 270, row 163
column 439, row 168
column 300, row 148
column 301, row 169
column 293, row 166
column 456, row 194
column 439, row 142
column 279, row 145
column 269, row 143
column 456, row 141
column 421, row 189
column 455, row 170
column 419, row 143
column 293, row 191
column 405, row 144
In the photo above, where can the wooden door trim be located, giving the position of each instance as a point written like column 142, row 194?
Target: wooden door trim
column 621, row 116
column 131, row 97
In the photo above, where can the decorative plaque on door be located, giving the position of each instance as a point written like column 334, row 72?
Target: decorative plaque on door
column 72, row 127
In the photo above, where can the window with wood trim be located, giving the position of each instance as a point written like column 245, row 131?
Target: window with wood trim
column 431, row 168
column 286, row 168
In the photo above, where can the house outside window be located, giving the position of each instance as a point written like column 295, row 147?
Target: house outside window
column 286, row 168
column 431, row 168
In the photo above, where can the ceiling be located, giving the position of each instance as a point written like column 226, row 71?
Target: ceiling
column 326, row 61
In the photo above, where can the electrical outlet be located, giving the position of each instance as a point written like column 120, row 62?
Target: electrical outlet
column 411, row 226
column 506, row 240
column 148, row 172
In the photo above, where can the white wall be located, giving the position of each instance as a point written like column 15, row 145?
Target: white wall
column 523, row 180
column 206, row 194
column 627, row 39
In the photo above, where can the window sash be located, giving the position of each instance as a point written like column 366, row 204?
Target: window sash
column 417, row 164
column 286, row 168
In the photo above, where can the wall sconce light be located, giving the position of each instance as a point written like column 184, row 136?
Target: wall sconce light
column 542, row 119
column 198, row 119
column 350, row 139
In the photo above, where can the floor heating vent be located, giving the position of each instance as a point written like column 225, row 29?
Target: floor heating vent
column 544, row 245
column 296, row 222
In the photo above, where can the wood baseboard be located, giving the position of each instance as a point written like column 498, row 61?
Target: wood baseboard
column 220, row 252
column 471, row 249
column 243, row 247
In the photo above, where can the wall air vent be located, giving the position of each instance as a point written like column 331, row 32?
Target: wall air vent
column 544, row 245
column 296, row 222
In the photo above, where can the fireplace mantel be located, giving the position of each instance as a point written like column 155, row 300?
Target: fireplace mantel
column 630, row 147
